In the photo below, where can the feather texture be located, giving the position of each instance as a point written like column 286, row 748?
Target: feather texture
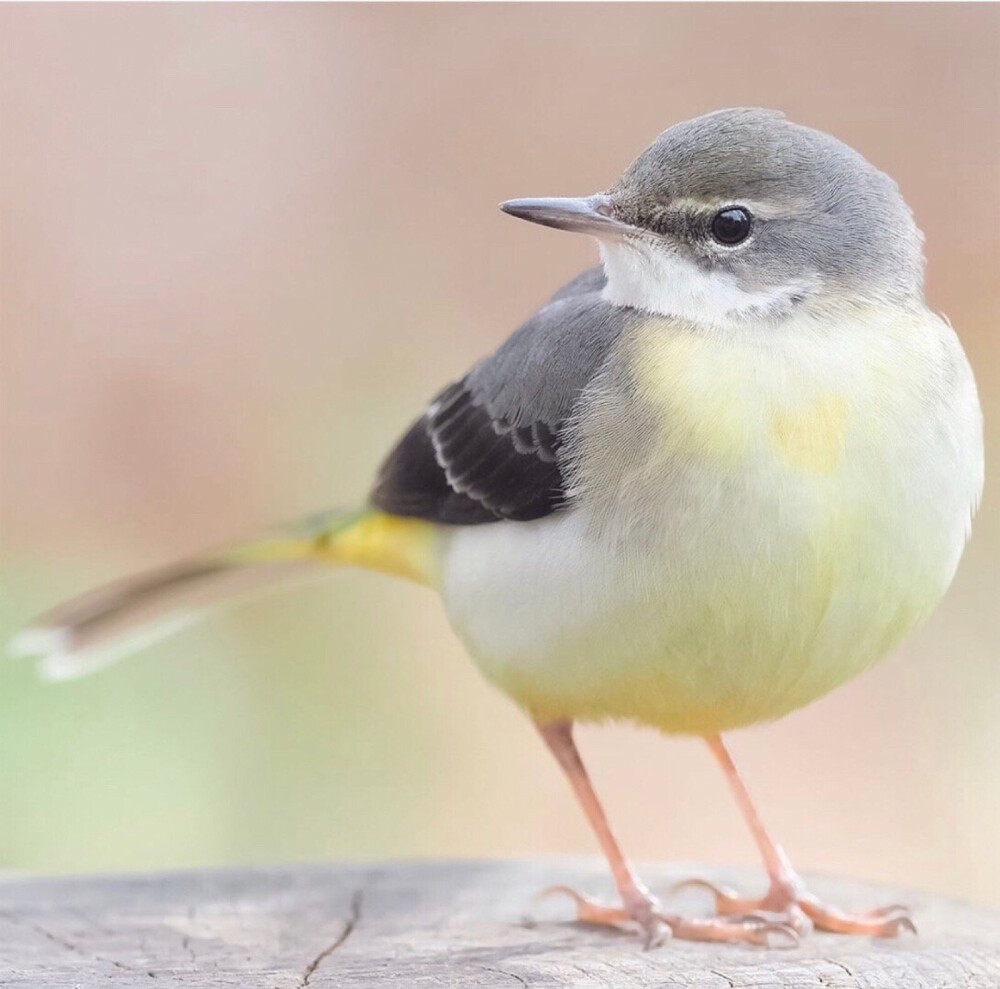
column 489, row 446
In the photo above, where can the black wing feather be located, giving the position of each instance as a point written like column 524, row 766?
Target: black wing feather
column 412, row 483
column 459, row 466
column 488, row 448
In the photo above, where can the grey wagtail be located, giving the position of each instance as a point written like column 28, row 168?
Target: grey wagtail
column 708, row 481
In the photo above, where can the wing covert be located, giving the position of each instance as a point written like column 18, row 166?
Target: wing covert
column 490, row 446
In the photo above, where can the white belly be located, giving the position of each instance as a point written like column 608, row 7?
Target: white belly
column 750, row 529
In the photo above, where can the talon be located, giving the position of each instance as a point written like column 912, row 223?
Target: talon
column 758, row 918
column 769, row 932
column 790, row 935
column 656, row 934
column 900, row 908
column 587, row 911
column 794, row 918
column 895, row 925
column 727, row 901
column 551, row 891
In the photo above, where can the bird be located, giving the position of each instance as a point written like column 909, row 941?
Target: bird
column 712, row 478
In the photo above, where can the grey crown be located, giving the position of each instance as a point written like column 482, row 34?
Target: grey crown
column 840, row 222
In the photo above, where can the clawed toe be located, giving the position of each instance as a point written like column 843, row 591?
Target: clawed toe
column 788, row 904
column 749, row 929
column 889, row 921
column 769, row 931
column 641, row 915
column 727, row 901
column 718, row 891
column 588, row 911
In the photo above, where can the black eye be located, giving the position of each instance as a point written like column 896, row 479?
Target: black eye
column 731, row 225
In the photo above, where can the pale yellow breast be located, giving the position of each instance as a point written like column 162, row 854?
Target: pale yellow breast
column 810, row 438
column 796, row 398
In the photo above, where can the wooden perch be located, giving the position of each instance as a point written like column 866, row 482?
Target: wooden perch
column 442, row 924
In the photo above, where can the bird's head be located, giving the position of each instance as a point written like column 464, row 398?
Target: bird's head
column 742, row 214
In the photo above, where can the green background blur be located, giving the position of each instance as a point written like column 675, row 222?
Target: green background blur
column 242, row 245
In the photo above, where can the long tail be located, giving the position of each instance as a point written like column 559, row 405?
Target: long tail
column 88, row 632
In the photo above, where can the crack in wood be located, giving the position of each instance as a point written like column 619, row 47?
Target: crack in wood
column 502, row 971
column 68, row 945
column 352, row 921
column 841, row 965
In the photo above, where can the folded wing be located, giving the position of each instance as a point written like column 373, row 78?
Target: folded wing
column 491, row 446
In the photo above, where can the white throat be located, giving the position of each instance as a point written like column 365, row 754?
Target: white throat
column 641, row 277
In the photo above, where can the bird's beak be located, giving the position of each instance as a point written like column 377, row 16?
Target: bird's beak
column 590, row 214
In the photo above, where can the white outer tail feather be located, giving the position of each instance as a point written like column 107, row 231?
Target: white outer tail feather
column 102, row 626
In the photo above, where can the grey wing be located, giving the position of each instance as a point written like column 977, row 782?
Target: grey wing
column 490, row 446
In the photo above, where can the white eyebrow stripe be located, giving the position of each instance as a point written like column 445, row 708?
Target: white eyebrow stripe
column 764, row 208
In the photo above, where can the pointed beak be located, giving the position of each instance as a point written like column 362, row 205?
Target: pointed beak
column 590, row 215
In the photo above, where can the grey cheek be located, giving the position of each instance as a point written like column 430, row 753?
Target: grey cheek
column 777, row 255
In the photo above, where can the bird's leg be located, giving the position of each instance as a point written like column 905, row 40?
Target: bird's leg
column 787, row 896
column 638, row 906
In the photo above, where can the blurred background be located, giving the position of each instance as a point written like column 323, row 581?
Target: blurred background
column 242, row 245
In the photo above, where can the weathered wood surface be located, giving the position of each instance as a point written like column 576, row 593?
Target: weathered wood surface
column 441, row 924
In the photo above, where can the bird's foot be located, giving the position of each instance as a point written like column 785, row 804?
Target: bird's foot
column 789, row 902
column 641, row 911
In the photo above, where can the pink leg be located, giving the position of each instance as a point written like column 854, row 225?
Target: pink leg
column 637, row 905
column 787, row 896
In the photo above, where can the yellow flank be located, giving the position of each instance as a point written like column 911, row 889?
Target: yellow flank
column 400, row 546
column 812, row 439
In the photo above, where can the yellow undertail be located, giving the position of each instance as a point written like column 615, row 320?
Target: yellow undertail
column 373, row 540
